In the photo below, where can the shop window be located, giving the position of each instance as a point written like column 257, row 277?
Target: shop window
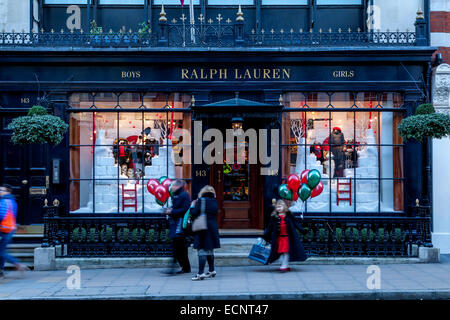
column 358, row 152
column 115, row 153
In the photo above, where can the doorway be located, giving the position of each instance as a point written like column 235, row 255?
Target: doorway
column 24, row 168
column 239, row 187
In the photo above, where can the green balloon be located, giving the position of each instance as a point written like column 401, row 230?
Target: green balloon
column 160, row 203
column 304, row 193
column 285, row 192
column 313, row 178
column 161, row 180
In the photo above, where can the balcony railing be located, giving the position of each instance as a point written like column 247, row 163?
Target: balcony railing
column 175, row 35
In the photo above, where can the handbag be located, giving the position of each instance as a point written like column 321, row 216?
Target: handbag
column 187, row 221
column 199, row 223
column 260, row 253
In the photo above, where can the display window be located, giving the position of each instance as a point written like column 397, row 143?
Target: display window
column 118, row 142
column 352, row 139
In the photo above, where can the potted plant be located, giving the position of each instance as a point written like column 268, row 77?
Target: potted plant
column 144, row 32
column 425, row 125
column 38, row 127
column 95, row 32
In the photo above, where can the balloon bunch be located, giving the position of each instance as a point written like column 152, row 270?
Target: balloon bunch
column 303, row 187
column 160, row 188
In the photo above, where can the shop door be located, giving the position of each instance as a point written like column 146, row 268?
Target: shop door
column 24, row 168
column 239, row 194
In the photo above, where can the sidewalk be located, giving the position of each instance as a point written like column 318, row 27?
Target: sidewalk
column 398, row 281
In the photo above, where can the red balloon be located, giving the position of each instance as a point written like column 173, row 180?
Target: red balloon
column 317, row 190
column 166, row 183
column 304, row 177
column 293, row 182
column 161, row 194
column 152, row 184
column 294, row 196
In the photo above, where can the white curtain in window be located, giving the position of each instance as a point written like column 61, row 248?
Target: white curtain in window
column 285, row 2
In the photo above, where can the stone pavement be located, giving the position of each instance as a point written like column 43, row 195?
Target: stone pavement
column 398, row 281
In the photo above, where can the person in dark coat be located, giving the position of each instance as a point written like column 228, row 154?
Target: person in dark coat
column 337, row 142
column 285, row 241
column 207, row 240
column 180, row 204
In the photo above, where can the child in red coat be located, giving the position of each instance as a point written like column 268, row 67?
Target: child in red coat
column 281, row 233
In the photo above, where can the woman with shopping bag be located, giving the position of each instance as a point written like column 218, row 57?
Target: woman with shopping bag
column 285, row 242
column 206, row 230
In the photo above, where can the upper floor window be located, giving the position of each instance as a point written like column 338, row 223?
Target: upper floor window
column 175, row 2
column 230, row 2
column 285, row 2
column 121, row 2
column 339, row 2
column 65, row 1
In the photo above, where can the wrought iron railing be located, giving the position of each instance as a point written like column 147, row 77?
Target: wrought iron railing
column 206, row 35
column 148, row 235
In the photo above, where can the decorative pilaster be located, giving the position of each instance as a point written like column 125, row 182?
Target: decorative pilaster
column 239, row 27
column 163, row 28
column 421, row 28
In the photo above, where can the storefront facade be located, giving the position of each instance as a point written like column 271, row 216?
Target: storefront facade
column 137, row 114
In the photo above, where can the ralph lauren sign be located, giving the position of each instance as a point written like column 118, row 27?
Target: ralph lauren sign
column 235, row 74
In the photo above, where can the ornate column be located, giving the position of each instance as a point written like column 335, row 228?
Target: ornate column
column 441, row 160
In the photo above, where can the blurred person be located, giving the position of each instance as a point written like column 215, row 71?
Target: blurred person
column 180, row 204
column 8, row 226
column 206, row 241
column 285, row 242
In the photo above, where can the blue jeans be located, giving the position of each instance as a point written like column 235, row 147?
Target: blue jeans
column 5, row 239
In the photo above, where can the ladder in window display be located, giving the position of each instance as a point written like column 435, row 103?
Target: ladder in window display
column 346, row 191
column 129, row 195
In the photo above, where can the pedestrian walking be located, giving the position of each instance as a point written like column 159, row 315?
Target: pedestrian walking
column 180, row 204
column 8, row 226
column 206, row 241
column 285, row 242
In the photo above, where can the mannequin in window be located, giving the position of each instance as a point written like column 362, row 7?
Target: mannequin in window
column 337, row 142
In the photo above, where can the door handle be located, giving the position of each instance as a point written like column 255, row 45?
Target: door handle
column 24, row 182
column 219, row 179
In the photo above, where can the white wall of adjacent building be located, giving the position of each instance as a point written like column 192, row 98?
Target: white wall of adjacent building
column 396, row 14
column 15, row 15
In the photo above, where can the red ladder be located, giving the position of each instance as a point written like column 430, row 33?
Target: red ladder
column 132, row 195
column 347, row 192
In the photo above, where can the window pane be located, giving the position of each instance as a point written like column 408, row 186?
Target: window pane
column 229, row 2
column 81, row 162
column 65, row 1
column 284, row 2
column 81, row 128
column 122, row 2
column 175, row 2
column 81, row 197
column 339, row 2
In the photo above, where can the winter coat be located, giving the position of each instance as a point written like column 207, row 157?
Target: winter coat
column 207, row 239
column 8, row 213
column 180, row 204
column 271, row 234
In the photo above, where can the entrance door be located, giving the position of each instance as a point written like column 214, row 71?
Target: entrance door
column 239, row 190
column 24, row 168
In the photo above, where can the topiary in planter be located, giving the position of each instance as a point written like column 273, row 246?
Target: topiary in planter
column 79, row 235
column 151, row 236
column 352, row 234
column 397, row 235
column 367, row 235
column 38, row 127
column 91, row 235
column 425, row 124
column 123, row 234
column 323, row 235
column 338, row 234
column 106, row 236
column 138, row 235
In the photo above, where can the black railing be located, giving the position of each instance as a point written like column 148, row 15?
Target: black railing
column 148, row 235
column 176, row 35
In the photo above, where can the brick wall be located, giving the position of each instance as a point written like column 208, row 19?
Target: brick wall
column 440, row 32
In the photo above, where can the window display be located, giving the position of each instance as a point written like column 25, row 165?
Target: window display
column 118, row 152
column 353, row 143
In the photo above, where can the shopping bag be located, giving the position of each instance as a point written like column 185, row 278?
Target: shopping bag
column 260, row 253
column 187, row 222
column 200, row 223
